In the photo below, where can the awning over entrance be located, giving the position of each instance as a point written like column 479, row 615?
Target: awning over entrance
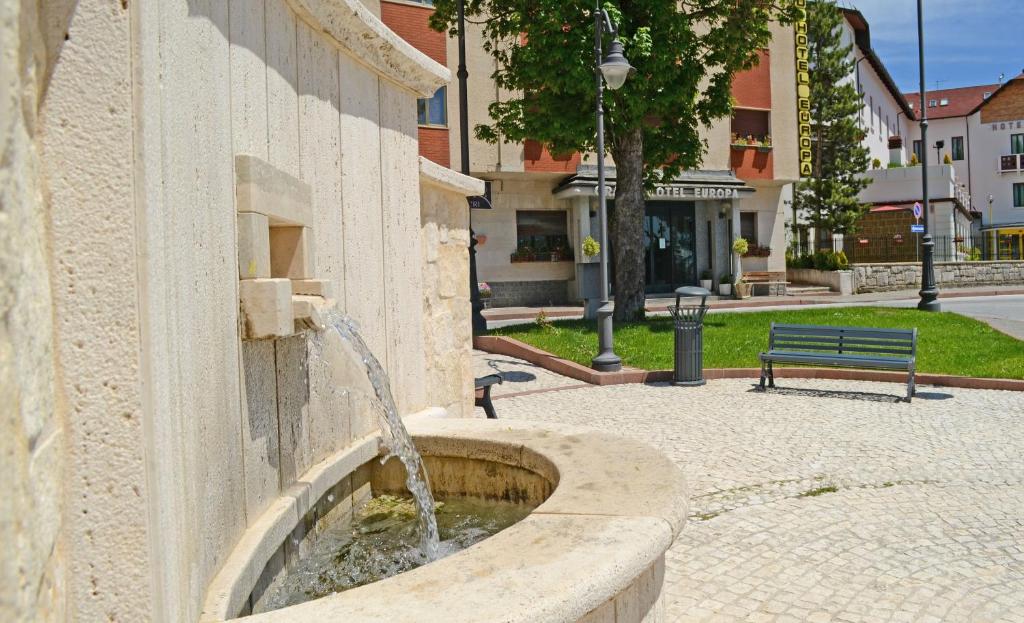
column 689, row 186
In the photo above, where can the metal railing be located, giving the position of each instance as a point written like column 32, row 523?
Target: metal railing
column 1011, row 163
column 906, row 248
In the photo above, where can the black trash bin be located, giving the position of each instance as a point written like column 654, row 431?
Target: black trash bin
column 689, row 337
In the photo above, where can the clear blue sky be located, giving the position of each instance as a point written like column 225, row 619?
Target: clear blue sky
column 967, row 42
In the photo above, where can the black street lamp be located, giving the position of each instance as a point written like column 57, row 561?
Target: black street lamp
column 476, row 304
column 929, row 290
column 612, row 69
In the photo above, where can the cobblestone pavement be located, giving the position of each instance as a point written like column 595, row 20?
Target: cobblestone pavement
column 829, row 500
column 520, row 376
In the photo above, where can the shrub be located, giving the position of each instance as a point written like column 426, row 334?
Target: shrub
column 876, row 164
column 706, row 275
column 591, row 247
column 822, row 259
column 841, row 261
column 914, row 161
column 740, row 246
column 947, row 160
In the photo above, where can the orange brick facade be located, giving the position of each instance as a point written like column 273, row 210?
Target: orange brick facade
column 1006, row 105
column 412, row 24
column 434, row 145
column 750, row 163
column 753, row 88
column 537, row 159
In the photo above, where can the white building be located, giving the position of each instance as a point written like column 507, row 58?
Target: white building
column 981, row 129
column 885, row 112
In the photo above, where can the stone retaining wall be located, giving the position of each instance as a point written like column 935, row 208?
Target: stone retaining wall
column 528, row 293
column 883, row 277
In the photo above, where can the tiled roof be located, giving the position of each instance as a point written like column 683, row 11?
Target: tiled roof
column 961, row 101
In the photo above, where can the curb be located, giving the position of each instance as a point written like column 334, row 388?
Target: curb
column 501, row 345
column 496, row 315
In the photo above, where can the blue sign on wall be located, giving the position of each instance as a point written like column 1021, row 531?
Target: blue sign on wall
column 917, row 229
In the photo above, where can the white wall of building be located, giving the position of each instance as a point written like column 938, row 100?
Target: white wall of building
column 989, row 141
column 881, row 114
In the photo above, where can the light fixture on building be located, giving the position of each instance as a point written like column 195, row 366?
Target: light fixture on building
column 724, row 209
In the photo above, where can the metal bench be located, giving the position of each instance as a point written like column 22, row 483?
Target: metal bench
column 840, row 347
column 482, row 386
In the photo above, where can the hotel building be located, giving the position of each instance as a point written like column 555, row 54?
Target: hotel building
column 544, row 206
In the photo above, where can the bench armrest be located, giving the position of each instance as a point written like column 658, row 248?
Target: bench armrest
column 487, row 381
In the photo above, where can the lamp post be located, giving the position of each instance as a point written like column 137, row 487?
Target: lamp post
column 929, row 291
column 612, row 69
column 476, row 304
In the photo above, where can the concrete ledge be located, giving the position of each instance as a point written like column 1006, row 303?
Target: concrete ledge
column 501, row 345
column 596, row 545
column 360, row 33
column 434, row 174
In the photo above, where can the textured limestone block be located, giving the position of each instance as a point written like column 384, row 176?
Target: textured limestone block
column 266, row 308
column 293, row 408
column 306, row 310
column 291, row 253
column 264, row 189
column 253, row 246
column 259, row 430
column 313, row 287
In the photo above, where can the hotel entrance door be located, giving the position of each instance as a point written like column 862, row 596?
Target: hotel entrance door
column 670, row 245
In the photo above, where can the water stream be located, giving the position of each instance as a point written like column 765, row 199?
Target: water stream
column 395, row 437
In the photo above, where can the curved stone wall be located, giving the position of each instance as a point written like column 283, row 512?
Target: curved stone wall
column 593, row 550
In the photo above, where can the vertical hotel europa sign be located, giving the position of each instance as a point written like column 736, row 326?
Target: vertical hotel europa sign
column 803, row 90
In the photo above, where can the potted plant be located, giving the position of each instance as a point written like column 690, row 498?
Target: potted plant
column 485, row 293
column 725, row 285
column 766, row 144
column 743, row 289
column 706, row 279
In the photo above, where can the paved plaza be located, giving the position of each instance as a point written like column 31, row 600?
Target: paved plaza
column 821, row 500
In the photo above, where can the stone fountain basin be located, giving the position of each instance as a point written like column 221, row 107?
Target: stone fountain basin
column 593, row 550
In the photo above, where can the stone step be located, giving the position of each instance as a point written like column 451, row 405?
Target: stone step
column 805, row 290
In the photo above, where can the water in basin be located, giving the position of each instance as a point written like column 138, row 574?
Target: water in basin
column 383, row 540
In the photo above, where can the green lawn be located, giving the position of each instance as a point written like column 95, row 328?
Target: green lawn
column 947, row 343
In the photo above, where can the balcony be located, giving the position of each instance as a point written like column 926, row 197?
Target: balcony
column 1012, row 163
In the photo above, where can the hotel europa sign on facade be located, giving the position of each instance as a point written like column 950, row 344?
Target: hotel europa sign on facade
column 668, row 191
column 803, row 90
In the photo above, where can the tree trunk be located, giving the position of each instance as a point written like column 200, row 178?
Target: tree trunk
column 627, row 224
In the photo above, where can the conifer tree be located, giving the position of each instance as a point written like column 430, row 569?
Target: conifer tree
column 828, row 198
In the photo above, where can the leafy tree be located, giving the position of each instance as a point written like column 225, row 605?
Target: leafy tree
column 828, row 198
column 685, row 53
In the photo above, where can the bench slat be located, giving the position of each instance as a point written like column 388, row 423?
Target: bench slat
column 845, row 339
column 806, row 329
column 859, row 334
column 845, row 350
column 888, row 363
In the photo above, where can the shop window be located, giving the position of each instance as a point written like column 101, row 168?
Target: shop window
column 751, row 127
column 433, row 111
column 957, row 148
column 748, row 227
column 1018, row 195
column 542, row 236
column 1017, row 143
